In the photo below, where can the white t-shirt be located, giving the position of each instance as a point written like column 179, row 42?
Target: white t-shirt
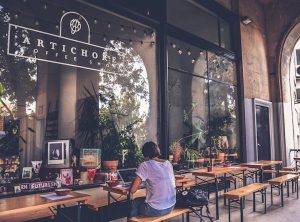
column 160, row 183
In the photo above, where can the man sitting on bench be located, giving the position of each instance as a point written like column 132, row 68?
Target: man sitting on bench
column 160, row 184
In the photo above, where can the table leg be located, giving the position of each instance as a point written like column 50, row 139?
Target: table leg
column 108, row 197
column 79, row 212
column 241, row 209
column 254, row 202
column 225, row 187
column 281, row 190
column 229, row 209
column 271, row 194
column 261, row 178
column 217, row 198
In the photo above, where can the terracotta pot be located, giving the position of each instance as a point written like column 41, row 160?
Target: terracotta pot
column 221, row 157
column 110, row 165
column 199, row 162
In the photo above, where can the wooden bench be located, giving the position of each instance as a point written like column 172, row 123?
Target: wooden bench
column 176, row 212
column 238, row 195
column 278, row 183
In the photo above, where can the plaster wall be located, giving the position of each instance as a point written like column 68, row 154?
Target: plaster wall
column 254, row 52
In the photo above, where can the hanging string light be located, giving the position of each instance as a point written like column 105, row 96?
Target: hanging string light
column 45, row 6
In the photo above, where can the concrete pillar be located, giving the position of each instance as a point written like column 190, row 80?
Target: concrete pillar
column 67, row 102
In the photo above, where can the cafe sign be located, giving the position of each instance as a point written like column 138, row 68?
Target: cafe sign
column 72, row 47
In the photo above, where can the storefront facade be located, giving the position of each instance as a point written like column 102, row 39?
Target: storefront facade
column 173, row 78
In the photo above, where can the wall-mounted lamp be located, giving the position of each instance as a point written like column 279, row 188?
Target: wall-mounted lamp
column 246, row 20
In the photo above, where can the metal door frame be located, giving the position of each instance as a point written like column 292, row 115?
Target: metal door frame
column 268, row 105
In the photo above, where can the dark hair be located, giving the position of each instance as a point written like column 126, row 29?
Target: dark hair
column 151, row 150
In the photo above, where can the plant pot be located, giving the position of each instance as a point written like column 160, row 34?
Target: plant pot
column 110, row 165
column 221, row 157
column 200, row 162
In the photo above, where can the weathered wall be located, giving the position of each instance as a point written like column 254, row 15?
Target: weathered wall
column 254, row 51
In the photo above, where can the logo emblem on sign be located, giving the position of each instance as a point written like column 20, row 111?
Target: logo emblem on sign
column 75, row 26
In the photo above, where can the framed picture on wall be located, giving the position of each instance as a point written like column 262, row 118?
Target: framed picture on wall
column 27, row 173
column 66, row 176
column 90, row 157
column 58, row 153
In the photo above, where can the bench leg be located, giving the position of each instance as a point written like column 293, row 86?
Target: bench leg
column 217, row 198
column 229, row 203
column 254, row 202
column 225, row 187
column 188, row 217
column 271, row 195
column 241, row 209
column 281, row 190
column 288, row 188
column 265, row 197
column 297, row 188
column 79, row 212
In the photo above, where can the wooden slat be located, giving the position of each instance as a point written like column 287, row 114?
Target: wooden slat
column 262, row 163
column 288, row 172
column 217, row 171
column 246, row 190
column 174, row 213
column 28, row 203
column 282, row 179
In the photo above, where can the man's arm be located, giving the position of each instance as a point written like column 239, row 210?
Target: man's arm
column 135, row 184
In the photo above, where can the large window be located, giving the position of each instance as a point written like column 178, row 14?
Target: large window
column 192, row 17
column 202, row 101
column 67, row 65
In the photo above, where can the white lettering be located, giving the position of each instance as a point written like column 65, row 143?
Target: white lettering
column 53, row 44
column 114, row 59
column 64, row 48
column 35, row 51
column 73, row 50
column 66, row 56
column 75, row 59
column 104, row 56
column 84, row 52
column 40, row 43
column 26, row 41
column 46, row 52
column 95, row 55
column 91, row 62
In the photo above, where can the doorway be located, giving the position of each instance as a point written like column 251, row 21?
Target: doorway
column 263, row 130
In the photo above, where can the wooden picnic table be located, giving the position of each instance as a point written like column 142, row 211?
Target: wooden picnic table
column 216, row 173
column 261, row 164
column 35, row 202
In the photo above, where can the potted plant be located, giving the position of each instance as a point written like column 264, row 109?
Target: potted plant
column 99, row 125
column 176, row 150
